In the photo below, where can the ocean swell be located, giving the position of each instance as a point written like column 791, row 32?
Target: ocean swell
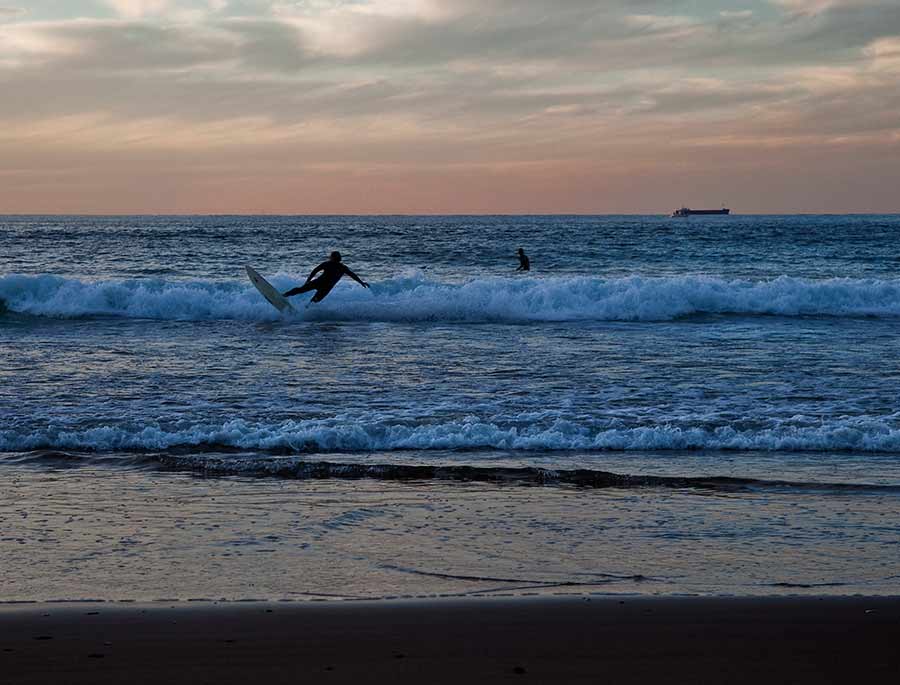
column 415, row 298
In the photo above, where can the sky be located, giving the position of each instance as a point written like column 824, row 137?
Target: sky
column 449, row 106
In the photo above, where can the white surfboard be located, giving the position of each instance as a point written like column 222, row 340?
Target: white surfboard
column 275, row 298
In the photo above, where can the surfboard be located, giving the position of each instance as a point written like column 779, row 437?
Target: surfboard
column 275, row 298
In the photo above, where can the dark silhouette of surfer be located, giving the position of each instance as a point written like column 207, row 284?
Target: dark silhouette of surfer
column 332, row 271
column 524, row 262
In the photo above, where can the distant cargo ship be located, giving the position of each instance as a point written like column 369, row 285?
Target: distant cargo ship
column 685, row 211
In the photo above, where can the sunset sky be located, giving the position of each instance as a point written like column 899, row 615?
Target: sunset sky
column 449, row 106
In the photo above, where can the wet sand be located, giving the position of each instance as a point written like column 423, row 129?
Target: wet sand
column 542, row 640
column 97, row 533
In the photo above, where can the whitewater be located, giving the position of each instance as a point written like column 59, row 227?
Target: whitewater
column 414, row 297
column 356, row 434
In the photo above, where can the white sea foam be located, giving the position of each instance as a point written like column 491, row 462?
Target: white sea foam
column 348, row 434
column 415, row 298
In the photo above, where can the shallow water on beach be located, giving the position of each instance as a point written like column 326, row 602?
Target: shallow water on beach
column 118, row 534
column 712, row 404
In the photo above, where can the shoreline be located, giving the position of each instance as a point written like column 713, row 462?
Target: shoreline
column 621, row 639
column 801, row 593
column 148, row 535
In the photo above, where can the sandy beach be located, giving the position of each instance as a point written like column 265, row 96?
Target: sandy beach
column 543, row 640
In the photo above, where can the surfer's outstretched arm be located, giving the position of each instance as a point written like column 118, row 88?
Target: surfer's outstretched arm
column 355, row 277
column 306, row 287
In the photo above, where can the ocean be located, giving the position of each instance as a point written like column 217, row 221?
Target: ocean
column 661, row 406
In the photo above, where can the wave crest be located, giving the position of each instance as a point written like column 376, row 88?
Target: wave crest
column 343, row 434
column 415, row 298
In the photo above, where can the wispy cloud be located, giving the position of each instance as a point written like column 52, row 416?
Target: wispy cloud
column 812, row 7
column 135, row 9
column 408, row 88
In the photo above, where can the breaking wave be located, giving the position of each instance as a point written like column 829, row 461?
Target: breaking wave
column 413, row 297
column 348, row 435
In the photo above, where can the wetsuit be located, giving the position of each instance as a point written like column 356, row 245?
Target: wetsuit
column 524, row 263
column 332, row 272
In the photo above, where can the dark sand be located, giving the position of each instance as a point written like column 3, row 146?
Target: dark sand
column 539, row 640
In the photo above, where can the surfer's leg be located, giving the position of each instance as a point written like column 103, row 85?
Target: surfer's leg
column 302, row 289
column 322, row 287
column 322, row 291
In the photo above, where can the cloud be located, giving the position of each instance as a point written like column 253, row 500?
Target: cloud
column 135, row 9
column 6, row 12
column 885, row 53
column 814, row 7
column 426, row 85
column 736, row 14
column 87, row 48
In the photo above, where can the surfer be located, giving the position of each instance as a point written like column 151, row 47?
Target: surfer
column 332, row 271
column 524, row 262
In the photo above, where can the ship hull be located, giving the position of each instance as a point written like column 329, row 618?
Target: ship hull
column 684, row 212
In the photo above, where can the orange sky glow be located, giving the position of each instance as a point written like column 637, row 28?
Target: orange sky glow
column 449, row 106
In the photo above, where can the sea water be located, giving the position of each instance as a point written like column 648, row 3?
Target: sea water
column 705, row 405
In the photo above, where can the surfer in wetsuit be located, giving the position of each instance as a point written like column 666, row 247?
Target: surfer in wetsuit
column 524, row 262
column 332, row 271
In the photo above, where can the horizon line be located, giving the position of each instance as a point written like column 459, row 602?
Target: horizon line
column 420, row 214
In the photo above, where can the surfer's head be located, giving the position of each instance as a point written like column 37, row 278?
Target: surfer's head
column 521, row 251
column 335, row 256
